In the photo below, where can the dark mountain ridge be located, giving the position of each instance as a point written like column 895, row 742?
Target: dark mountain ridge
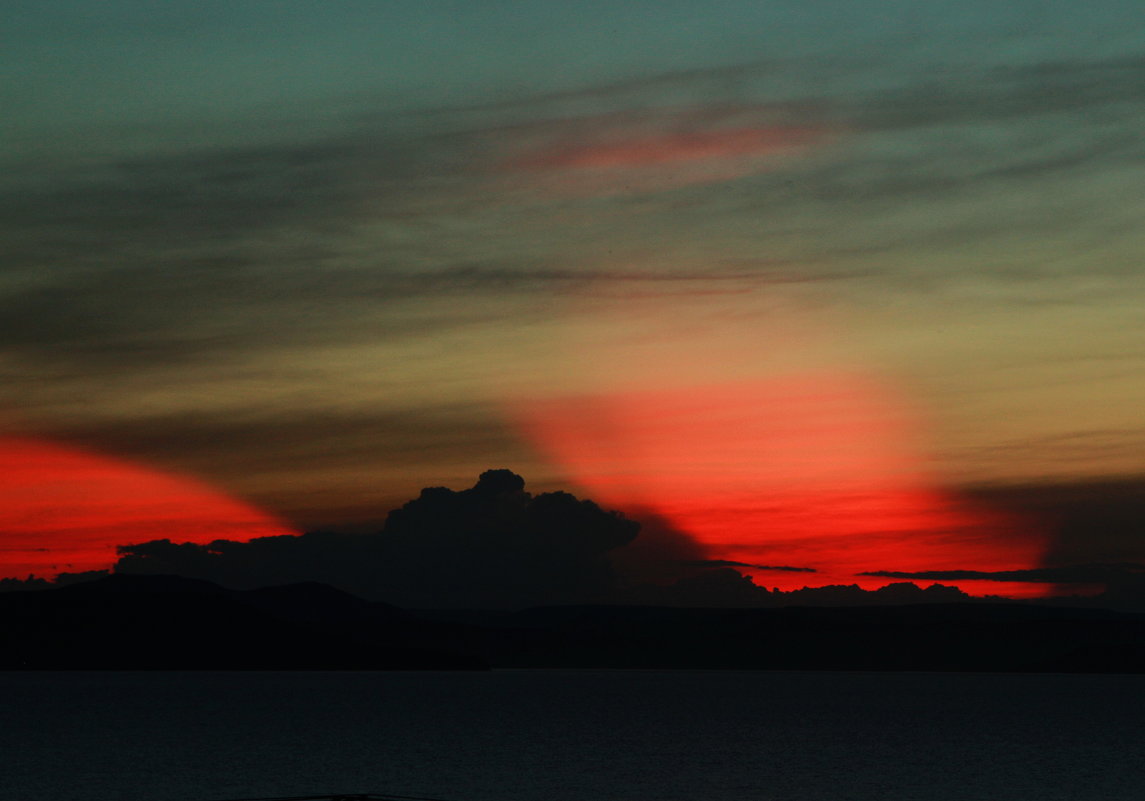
column 125, row 622
column 169, row 622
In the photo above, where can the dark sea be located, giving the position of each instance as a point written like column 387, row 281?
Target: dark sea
column 572, row 736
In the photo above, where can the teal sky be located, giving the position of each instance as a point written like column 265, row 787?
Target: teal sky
column 123, row 70
column 323, row 254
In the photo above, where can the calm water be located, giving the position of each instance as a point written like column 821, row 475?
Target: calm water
column 583, row 736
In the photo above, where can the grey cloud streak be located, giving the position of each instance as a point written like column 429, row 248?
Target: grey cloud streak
column 1071, row 574
column 166, row 209
column 730, row 563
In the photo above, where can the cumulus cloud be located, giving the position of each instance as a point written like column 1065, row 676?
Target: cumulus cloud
column 718, row 587
column 493, row 545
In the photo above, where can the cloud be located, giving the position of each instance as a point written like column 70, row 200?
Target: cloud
column 725, row 85
column 654, row 149
column 234, row 254
column 252, row 274
column 188, row 255
column 1069, row 574
column 311, row 447
column 491, row 546
column 1089, row 521
column 497, row 546
column 729, row 563
column 1122, row 583
column 718, row 587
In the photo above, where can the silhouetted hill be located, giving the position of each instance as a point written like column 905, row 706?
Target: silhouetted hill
column 322, row 603
column 117, row 583
column 157, row 622
column 947, row 637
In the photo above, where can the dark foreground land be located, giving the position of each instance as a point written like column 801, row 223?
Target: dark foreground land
column 163, row 622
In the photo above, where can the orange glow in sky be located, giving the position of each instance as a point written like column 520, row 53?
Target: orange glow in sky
column 65, row 510
column 817, row 469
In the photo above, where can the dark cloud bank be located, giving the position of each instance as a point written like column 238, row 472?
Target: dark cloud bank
column 496, row 546
column 493, row 545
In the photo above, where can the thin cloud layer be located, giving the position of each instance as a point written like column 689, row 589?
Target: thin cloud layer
column 715, row 563
column 222, row 237
column 1069, row 574
column 656, row 149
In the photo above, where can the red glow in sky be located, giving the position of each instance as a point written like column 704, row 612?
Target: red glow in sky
column 812, row 470
column 65, row 510
column 655, row 149
column 668, row 148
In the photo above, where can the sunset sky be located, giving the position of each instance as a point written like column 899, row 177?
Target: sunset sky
column 847, row 286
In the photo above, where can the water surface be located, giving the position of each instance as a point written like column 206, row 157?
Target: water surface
column 572, row 736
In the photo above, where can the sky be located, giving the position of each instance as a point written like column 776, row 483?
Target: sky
column 848, row 287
